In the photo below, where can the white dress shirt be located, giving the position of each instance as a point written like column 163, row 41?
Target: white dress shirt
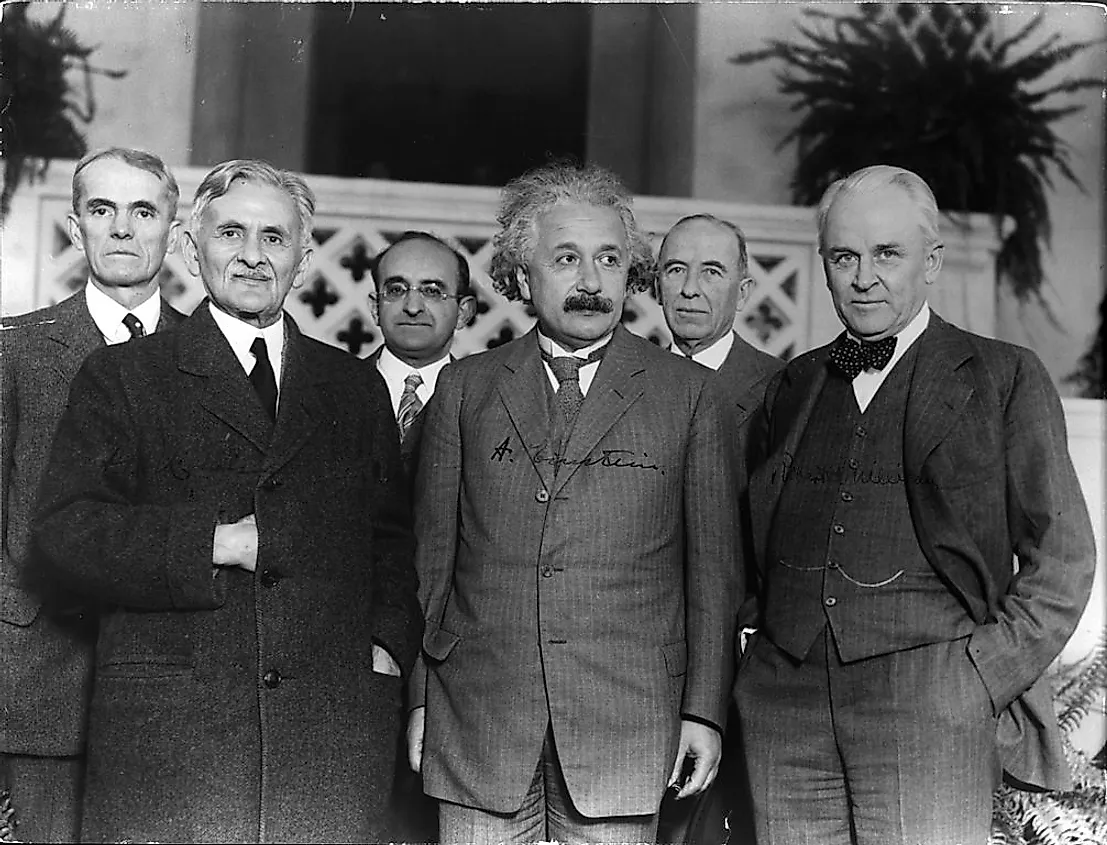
column 868, row 382
column 586, row 373
column 396, row 371
column 108, row 314
column 241, row 336
column 713, row 356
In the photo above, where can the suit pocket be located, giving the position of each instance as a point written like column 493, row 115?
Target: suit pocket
column 676, row 658
column 17, row 606
column 438, row 643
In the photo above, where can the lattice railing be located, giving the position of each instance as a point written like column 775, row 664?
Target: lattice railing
column 357, row 218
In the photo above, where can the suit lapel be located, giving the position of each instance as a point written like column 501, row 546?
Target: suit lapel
column 523, row 393
column 739, row 375
column 298, row 402
column 793, row 404
column 73, row 336
column 616, row 387
column 202, row 350
column 939, row 392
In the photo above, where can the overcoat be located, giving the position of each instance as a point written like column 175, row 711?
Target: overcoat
column 599, row 600
column 232, row 706
column 45, row 656
column 989, row 479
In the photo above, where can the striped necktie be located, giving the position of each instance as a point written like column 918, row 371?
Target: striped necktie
column 410, row 404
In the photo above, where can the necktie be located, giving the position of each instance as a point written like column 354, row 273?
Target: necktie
column 852, row 357
column 410, row 404
column 569, row 398
column 262, row 378
column 134, row 325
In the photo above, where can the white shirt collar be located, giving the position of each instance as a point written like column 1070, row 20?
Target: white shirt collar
column 396, row 371
column 108, row 314
column 712, row 357
column 868, row 382
column 241, row 336
column 556, row 350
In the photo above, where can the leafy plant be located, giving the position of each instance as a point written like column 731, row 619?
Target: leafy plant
column 40, row 109
column 1079, row 816
column 930, row 88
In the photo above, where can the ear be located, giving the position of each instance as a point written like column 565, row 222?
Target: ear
column 174, row 236
column 374, row 307
column 745, row 288
column 523, row 283
column 302, row 268
column 73, row 228
column 190, row 252
column 934, row 263
column 466, row 311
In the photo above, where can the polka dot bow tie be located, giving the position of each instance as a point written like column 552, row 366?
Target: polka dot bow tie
column 852, row 357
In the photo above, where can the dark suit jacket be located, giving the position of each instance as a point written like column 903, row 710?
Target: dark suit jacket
column 988, row 478
column 229, row 705
column 409, row 448
column 46, row 657
column 604, row 599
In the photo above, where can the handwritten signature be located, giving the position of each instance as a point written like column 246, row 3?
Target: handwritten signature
column 606, row 458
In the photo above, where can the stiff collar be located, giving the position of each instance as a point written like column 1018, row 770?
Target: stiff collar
column 241, row 336
column 712, row 357
column 108, row 314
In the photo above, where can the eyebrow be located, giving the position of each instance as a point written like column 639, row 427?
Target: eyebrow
column 575, row 246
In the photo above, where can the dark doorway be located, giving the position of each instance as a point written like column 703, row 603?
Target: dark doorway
column 464, row 94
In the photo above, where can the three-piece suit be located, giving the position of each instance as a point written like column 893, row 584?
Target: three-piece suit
column 591, row 593
column 231, row 705
column 913, row 515
column 45, row 655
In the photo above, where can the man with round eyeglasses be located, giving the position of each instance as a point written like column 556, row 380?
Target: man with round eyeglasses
column 423, row 294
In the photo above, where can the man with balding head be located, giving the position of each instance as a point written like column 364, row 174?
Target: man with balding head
column 923, row 552
column 422, row 295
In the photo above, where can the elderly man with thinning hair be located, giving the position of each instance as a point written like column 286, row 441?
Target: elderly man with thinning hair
column 230, row 496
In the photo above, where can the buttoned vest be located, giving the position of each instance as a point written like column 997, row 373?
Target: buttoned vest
column 842, row 550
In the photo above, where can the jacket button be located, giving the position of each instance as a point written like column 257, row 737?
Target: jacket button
column 271, row 679
column 830, row 601
column 852, row 463
column 838, row 529
column 270, row 578
column 542, row 496
column 547, row 572
column 832, row 564
column 847, row 496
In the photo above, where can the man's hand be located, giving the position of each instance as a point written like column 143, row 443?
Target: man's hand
column 383, row 662
column 415, row 724
column 702, row 744
column 236, row 544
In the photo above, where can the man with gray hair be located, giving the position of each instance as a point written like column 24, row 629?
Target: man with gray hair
column 578, row 555
column 899, row 471
column 124, row 221
column 230, row 496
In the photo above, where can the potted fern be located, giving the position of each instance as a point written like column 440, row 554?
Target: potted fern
column 933, row 89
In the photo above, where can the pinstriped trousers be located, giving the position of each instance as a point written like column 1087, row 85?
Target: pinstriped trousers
column 898, row 748
column 547, row 815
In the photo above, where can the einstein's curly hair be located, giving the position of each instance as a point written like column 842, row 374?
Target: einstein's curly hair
column 536, row 192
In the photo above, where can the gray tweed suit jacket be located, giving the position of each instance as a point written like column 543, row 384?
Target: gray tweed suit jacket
column 45, row 658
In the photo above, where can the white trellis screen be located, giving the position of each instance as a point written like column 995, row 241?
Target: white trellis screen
column 356, row 218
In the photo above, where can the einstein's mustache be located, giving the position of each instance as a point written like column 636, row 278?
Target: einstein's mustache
column 588, row 302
